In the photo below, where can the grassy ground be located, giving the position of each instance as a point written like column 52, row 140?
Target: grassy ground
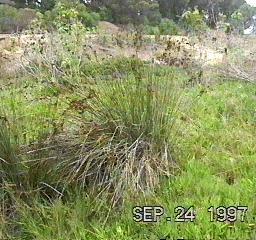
column 213, row 142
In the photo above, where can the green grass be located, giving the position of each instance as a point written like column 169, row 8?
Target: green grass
column 214, row 144
column 29, row 111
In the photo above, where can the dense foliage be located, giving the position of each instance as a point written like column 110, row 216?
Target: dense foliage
column 159, row 16
column 67, row 13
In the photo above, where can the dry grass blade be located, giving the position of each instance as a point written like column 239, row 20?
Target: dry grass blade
column 238, row 72
column 240, row 63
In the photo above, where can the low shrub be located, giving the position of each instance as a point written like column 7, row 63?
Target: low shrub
column 178, row 52
column 152, row 30
column 57, row 55
column 166, row 27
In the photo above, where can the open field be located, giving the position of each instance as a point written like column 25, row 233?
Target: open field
column 91, row 129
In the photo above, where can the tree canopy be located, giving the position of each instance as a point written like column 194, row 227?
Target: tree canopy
column 148, row 11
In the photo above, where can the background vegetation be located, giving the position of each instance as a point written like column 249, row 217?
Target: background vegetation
column 191, row 14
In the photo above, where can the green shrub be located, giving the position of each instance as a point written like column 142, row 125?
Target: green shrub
column 152, row 30
column 65, row 14
column 106, row 14
column 89, row 19
column 168, row 27
column 237, row 21
column 8, row 18
column 194, row 21
column 12, row 19
column 58, row 55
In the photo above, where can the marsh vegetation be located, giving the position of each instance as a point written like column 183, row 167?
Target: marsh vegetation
column 97, row 118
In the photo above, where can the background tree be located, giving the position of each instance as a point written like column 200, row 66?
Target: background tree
column 47, row 5
column 20, row 3
column 148, row 12
column 8, row 2
column 248, row 12
column 172, row 9
column 229, row 6
column 134, row 11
